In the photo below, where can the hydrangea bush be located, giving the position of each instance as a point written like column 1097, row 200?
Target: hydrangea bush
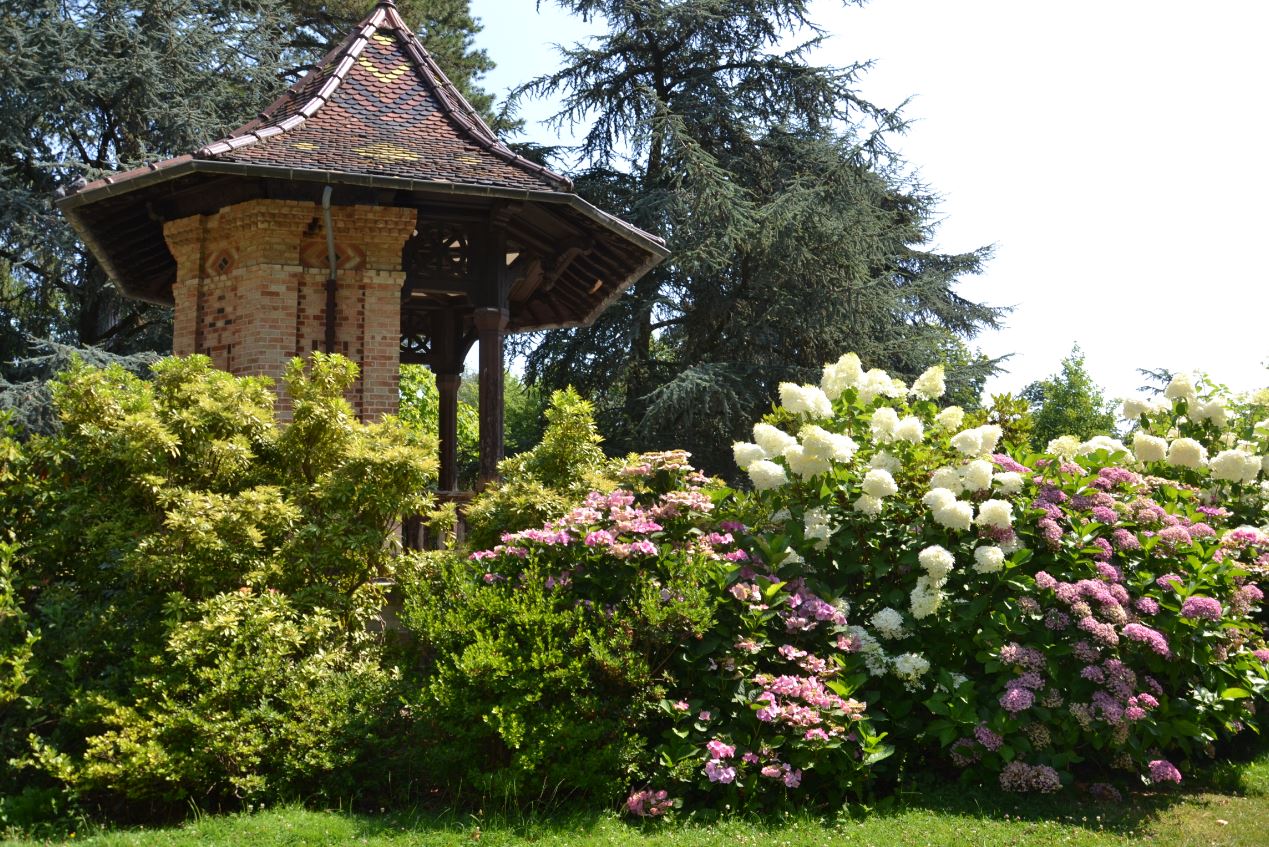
column 895, row 583
column 1027, row 615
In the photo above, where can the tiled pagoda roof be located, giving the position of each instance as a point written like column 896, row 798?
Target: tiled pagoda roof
column 378, row 104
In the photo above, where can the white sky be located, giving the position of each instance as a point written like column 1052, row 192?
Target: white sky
column 1114, row 152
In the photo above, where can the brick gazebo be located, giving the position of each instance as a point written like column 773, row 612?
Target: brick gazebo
column 368, row 211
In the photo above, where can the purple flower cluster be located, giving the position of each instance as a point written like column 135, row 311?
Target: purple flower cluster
column 1161, row 770
column 646, row 803
column 1021, row 777
column 1201, row 607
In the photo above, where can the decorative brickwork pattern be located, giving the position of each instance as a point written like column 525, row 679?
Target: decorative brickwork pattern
column 251, row 291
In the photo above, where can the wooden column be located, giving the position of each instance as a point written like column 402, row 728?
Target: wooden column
column 490, row 324
column 447, row 429
column 447, row 364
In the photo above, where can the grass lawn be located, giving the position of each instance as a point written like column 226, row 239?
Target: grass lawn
column 1231, row 807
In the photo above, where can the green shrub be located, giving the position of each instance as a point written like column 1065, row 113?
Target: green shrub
column 543, row 483
column 546, row 661
column 198, row 578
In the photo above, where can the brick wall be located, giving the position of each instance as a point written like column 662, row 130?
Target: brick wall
column 251, row 291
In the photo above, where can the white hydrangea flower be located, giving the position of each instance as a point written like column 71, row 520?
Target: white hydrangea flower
column 968, row 442
column 877, row 383
column 806, row 400
column 883, row 424
column 791, row 557
column 910, row 667
column 747, row 453
column 875, row 659
column 989, row 435
column 774, row 441
column 950, row 418
column 886, row 461
column 1064, row 447
column 1213, row 410
column 988, row 559
column 827, row 445
column 948, row 478
column 924, row 599
column 1113, row 446
column 817, row 528
column 1010, row 482
column 879, row 483
column 978, row 441
column 937, row 562
column 843, row 374
column 888, row 623
column 1187, row 453
column 1180, row 388
column 931, row 384
column 995, row 513
column 910, row 429
column 806, row 464
column 867, row 505
column 1149, row 448
column 938, row 498
column 977, row 475
column 1157, row 405
column 1133, row 409
column 1235, row 466
column 766, row 475
column 957, row 515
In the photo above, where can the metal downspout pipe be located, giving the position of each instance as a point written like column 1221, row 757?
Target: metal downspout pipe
column 330, row 279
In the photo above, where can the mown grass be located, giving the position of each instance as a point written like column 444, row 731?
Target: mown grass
column 1230, row 807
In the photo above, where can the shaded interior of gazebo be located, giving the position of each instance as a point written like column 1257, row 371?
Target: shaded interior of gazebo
column 367, row 211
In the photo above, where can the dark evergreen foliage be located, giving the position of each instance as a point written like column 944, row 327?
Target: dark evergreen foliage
column 796, row 234
column 25, row 391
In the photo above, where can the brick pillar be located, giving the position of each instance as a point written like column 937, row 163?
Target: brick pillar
column 250, row 290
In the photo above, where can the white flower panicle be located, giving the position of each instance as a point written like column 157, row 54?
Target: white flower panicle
column 1181, row 388
column 883, row 424
column 817, row 528
column 766, row 475
column 888, row 623
column 1064, row 447
column 1149, row 448
column 1187, row 453
column 868, row 505
column 910, row 667
column 925, row 598
column 950, row 418
column 910, row 429
column 1009, row 482
column 886, row 461
column 827, row 445
column 805, row 463
column 937, row 562
column 843, row 374
column 1235, row 466
column 930, row 385
column 977, row 475
column 879, row 483
column 995, row 513
column 747, row 453
column 988, row 559
column 947, row 510
column 949, row 479
column 806, row 400
column 772, row 440
column 1113, row 446
column 1133, row 409
column 877, row 383
column 978, row 441
column 875, row 659
column 1213, row 410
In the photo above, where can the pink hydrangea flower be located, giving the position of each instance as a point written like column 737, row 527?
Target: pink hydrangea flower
column 1201, row 607
column 1161, row 770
